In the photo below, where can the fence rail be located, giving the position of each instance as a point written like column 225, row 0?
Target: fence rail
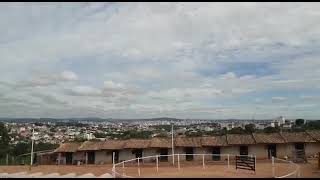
column 294, row 173
column 156, row 157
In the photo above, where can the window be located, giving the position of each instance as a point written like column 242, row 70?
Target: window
column 244, row 150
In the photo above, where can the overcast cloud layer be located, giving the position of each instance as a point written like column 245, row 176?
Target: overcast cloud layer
column 139, row 60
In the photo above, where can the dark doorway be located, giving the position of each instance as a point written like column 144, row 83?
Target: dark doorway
column 164, row 152
column 272, row 150
column 299, row 146
column 35, row 160
column 216, row 153
column 244, row 150
column 138, row 153
column 91, row 157
column 68, row 158
column 116, row 156
column 189, row 153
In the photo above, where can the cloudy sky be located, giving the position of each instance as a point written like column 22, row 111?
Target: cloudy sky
column 140, row 60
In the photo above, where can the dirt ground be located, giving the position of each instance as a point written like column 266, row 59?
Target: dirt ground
column 187, row 169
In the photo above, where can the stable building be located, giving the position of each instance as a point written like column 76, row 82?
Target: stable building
column 241, row 144
column 299, row 144
column 67, row 152
column 270, row 144
column 188, row 146
column 262, row 145
column 215, row 145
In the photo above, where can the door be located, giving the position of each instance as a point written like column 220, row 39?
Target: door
column 91, row 157
column 68, row 158
column 244, row 150
column 116, row 156
column 164, row 152
column 272, row 150
column 189, row 153
column 299, row 146
column 138, row 153
column 216, row 153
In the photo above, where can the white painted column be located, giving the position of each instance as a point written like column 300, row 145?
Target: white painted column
column 228, row 161
column 138, row 166
column 59, row 158
column 203, row 166
column 178, row 162
column 273, row 168
column 157, row 161
column 32, row 141
column 123, row 169
column 86, row 157
column 172, row 144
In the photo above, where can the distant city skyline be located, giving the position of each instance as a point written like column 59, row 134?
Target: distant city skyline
column 144, row 60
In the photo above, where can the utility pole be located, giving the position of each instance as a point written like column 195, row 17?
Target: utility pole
column 172, row 143
column 31, row 155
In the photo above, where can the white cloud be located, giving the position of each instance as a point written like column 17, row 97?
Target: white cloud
column 279, row 99
column 84, row 91
column 151, row 57
column 69, row 76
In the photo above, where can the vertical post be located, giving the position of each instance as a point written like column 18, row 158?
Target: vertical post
column 203, row 161
column 228, row 161
column 319, row 160
column 31, row 155
column 113, row 165
column 113, row 171
column 172, row 144
column 86, row 157
column 157, row 161
column 255, row 161
column 7, row 159
column 113, row 154
column 139, row 166
column 255, row 164
column 59, row 158
column 123, row 169
column 273, row 170
column 178, row 162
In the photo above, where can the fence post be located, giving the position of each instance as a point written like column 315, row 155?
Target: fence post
column 123, row 169
column 7, row 159
column 228, row 161
column 203, row 161
column 157, row 160
column 273, row 169
column 178, row 162
column 255, row 164
column 113, row 171
column 139, row 166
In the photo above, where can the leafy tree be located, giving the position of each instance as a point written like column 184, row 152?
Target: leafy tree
column 194, row 134
column 312, row 125
column 250, row 128
column 100, row 135
column 271, row 129
column 237, row 130
column 4, row 140
column 299, row 122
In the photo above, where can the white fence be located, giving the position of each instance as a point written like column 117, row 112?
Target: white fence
column 224, row 158
column 292, row 169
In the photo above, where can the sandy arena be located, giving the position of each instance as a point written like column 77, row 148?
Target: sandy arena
column 187, row 169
